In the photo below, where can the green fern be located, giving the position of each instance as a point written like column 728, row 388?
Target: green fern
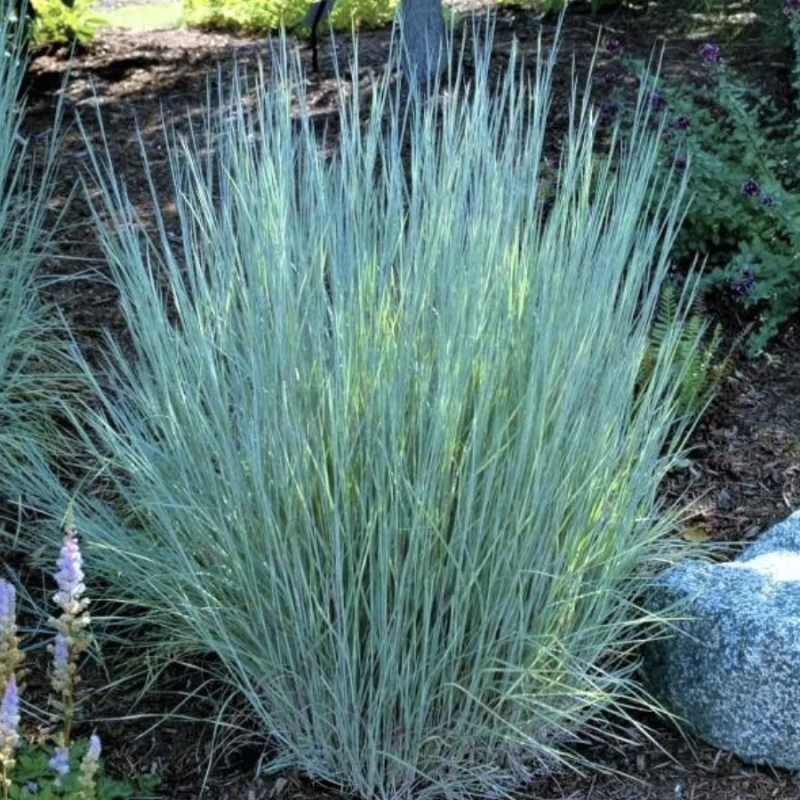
column 698, row 367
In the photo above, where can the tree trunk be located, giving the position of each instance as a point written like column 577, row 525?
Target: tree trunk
column 423, row 39
column 422, row 35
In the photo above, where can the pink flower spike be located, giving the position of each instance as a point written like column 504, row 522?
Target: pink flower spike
column 70, row 567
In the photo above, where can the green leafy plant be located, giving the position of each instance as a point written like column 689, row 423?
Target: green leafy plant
column 383, row 448
column 55, row 765
column 33, row 777
column 698, row 365
column 265, row 15
column 145, row 16
column 61, row 22
column 744, row 219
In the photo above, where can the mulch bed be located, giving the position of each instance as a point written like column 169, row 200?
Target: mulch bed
column 745, row 462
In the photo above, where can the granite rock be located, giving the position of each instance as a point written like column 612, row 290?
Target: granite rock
column 730, row 667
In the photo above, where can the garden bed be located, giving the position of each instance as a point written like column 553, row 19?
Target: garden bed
column 745, row 464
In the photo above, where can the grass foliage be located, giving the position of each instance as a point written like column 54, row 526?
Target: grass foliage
column 30, row 357
column 383, row 447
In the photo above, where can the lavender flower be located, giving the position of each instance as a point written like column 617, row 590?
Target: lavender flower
column 70, row 571
column 10, row 654
column 611, row 108
column 767, row 199
column 59, row 762
column 611, row 77
column 8, row 610
column 613, row 47
column 61, row 659
column 71, row 637
column 9, row 717
column 745, row 285
column 9, row 733
column 710, row 54
column 791, row 7
column 89, row 766
column 657, row 101
column 750, row 188
column 683, row 123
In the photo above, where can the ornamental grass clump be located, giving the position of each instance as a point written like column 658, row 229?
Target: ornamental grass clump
column 32, row 368
column 383, row 448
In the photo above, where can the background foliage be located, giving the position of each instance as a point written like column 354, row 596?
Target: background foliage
column 264, row 15
column 62, row 22
column 741, row 152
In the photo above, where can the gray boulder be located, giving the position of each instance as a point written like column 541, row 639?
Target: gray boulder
column 731, row 668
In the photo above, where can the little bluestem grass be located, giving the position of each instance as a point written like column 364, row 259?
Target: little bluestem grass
column 383, row 448
column 33, row 370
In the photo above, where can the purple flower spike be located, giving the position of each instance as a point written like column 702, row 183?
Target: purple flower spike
column 710, row 53
column 8, row 609
column 9, row 721
column 89, row 766
column 61, row 658
column 9, row 713
column 70, row 569
column 93, row 753
column 611, row 77
column 657, row 101
column 613, row 47
column 59, row 763
column 750, row 188
column 683, row 123
column 745, row 285
column 767, row 199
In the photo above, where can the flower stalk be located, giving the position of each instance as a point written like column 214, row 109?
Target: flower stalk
column 9, row 734
column 10, row 654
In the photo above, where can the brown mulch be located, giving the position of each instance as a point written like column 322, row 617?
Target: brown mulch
column 744, row 473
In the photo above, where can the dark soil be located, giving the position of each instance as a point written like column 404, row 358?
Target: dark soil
column 745, row 467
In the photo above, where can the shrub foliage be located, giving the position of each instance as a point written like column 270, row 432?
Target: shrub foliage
column 266, row 15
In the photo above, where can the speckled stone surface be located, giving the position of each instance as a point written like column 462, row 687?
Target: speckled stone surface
column 731, row 669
